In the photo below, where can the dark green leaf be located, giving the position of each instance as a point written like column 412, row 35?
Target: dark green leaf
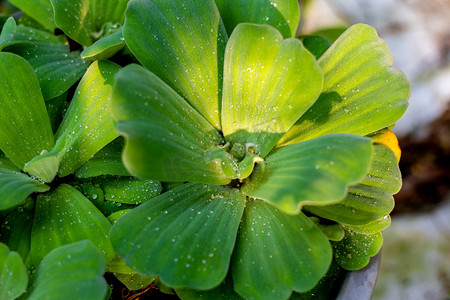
column 362, row 93
column 40, row 10
column 5, row 163
column 105, row 47
column 13, row 274
column 130, row 190
column 25, row 131
column 16, row 186
column 7, row 32
column 223, row 292
column 281, row 14
column 268, row 84
column 316, row 44
column 277, row 253
column 183, row 43
column 371, row 199
column 16, row 231
column 355, row 250
column 57, row 68
column 26, row 34
column 87, row 21
column 87, row 126
column 185, row 236
column 71, row 272
column 315, row 172
column 55, row 109
column 64, row 216
column 165, row 138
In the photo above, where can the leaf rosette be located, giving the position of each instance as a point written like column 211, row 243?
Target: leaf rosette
column 271, row 147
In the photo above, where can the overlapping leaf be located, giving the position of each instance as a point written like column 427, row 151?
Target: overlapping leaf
column 26, row 129
column 262, row 267
column 371, row 199
column 71, row 272
column 183, row 43
column 39, row 10
column 315, row 172
column 282, row 14
column 105, row 47
column 27, row 34
column 13, row 274
column 16, row 231
column 362, row 93
column 87, row 126
column 268, row 84
column 130, row 190
column 185, row 236
column 7, row 32
column 165, row 137
column 86, row 21
column 64, row 216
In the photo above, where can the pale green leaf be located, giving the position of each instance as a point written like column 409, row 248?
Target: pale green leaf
column 373, row 227
column 39, row 10
column 284, row 15
column 105, row 47
column 57, row 69
column 315, row 172
column 183, row 43
column 25, row 129
column 44, row 166
column 165, row 138
column 268, row 84
column 371, row 199
column 87, row 126
column 16, row 231
column 354, row 251
column 134, row 281
column 185, row 236
column 71, row 272
column 15, row 187
column 87, row 21
column 277, row 253
column 113, row 218
column 13, row 274
column 7, row 32
column 64, row 216
column 107, row 161
column 362, row 93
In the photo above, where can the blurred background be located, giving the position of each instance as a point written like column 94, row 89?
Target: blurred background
column 416, row 251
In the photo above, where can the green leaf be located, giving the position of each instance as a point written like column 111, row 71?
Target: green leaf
column 130, row 190
column 40, row 10
column 5, row 163
column 87, row 126
column 105, row 47
column 316, row 44
column 87, row 21
column 26, row 34
column 57, row 68
column 372, row 227
column 15, row 187
column 44, row 166
column 185, row 236
column 277, row 253
column 55, row 109
column 165, row 138
column 371, row 199
column 268, row 84
column 183, row 43
column 13, row 274
column 71, row 272
column 16, row 231
column 332, row 231
column 315, row 172
column 354, row 251
column 7, row 32
column 284, row 15
column 64, row 216
column 113, row 218
column 134, row 281
column 26, row 129
column 362, row 93
column 223, row 292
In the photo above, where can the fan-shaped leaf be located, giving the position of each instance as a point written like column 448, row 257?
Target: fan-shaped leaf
column 262, row 266
column 315, row 172
column 105, row 47
column 25, row 129
column 87, row 126
column 71, row 272
column 371, row 199
column 284, row 15
column 64, row 216
column 362, row 93
column 165, row 138
column 185, row 236
column 57, row 68
column 13, row 274
column 87, row 21
column 39, row 10
column 183, row 43
column 268, row 84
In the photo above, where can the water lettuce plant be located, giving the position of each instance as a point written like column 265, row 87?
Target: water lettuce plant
column 274, row 152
